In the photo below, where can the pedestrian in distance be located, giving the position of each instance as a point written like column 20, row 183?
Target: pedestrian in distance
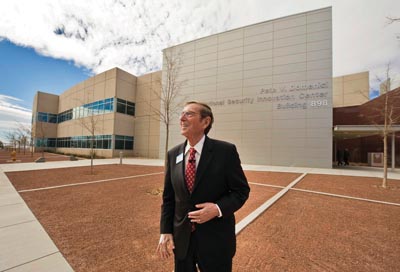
column 339, row 157
column 346, row 156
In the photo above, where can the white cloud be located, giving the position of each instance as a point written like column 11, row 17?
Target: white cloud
column 9, row 106
column 6, row 126
column 12, row 115
column 102, row 34
column 362, row 38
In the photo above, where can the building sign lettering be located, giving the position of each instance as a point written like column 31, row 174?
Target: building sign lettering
column 300, row 96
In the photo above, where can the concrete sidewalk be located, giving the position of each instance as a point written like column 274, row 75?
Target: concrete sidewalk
column 25, row 245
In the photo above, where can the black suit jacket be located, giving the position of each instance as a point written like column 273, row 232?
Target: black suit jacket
column 219, row 179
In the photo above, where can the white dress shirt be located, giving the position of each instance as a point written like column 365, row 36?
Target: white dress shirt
column 199, row 149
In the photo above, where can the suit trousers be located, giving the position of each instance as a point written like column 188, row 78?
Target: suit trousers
column 194, row 260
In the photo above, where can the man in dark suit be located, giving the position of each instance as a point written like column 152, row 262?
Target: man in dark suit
column 204, row 185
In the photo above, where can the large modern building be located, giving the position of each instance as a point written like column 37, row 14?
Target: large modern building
column 270, row 86
column 110, row 110
column 351, row 90
column 360, row 129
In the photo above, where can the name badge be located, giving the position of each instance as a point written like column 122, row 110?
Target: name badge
column 179, row 158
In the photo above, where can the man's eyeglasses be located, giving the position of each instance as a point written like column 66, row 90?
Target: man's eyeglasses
column 188, row 114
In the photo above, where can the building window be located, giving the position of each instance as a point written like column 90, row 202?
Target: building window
column 100, row 142
column 123, row 142
column 51, row 142
column 52, row 118
column 46, row 117
column 95, row 108
column 125, row 107
column 130, row 108
column 45, row 142
column 64, row 116
column 42, row 117
column 108, row 105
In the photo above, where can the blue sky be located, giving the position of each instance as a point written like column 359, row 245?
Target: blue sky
column 24, row 72
column 51, row 45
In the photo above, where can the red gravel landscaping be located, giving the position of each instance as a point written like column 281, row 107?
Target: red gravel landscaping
column 308, row 232
column 363, row 187
column 24, row 180
column 271, row 178
column 114, row 225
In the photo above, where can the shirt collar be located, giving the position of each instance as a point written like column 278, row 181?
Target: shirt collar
column 198, row 146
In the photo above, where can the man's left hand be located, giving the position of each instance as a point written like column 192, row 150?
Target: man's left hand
column 206, row 212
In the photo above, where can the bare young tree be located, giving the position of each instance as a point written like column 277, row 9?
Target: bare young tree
column 12, row 138
column 392, row 20
column 24, row 134
column 384, row 115
column 41, row 134
column 23, row 140
column 89, row 121
column 27, row 131
column 171, row 86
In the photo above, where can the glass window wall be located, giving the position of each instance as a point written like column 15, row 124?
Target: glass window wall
column 125, row 107
column 95, row 108
column 46, row 117
column 123, row 142
column 99, row 142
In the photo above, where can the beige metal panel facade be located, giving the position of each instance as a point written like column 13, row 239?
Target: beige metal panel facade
column 123, row 124
column 351, row 90
column 101, row 153
column 101, row 86
column 147, row 125
column 126, row 85
column 126, row 90
column 270, row 87
column 114, row 83
column 46, row 103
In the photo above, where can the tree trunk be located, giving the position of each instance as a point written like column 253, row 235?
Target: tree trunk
column 384, row 181
column 385, row 134
column 166, row 145
column 91, row 156
column 91, row 162
column 32, row 146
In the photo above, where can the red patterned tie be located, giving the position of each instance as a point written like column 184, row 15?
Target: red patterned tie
column 191, row 169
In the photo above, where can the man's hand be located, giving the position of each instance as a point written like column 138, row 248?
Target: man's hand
column 207, row 212
column 165, row 245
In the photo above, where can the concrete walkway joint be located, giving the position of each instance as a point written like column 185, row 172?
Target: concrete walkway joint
column 88, row 182
column 256, row 213
column 347, row 197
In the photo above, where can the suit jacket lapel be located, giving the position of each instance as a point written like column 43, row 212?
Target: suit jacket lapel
column 205, row 159
column 179, row 168
column 180, row 171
